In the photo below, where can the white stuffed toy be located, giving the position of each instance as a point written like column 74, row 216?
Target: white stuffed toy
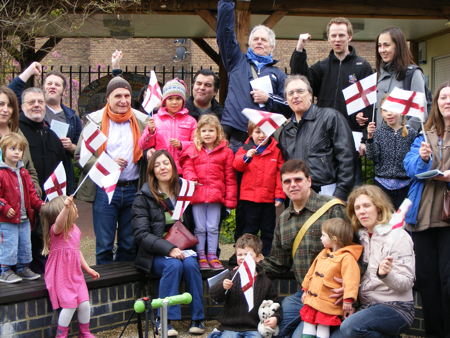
column 265, row 311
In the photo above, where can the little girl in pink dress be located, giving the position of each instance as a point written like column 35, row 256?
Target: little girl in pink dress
column 63, row 271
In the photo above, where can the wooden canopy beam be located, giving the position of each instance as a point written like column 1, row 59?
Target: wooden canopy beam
column 208, row 17
column 274, row 18
column 208, row 50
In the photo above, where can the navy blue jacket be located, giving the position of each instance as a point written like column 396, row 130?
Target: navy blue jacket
column 240, row 74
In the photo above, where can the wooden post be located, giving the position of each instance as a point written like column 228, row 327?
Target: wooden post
column 242, row 23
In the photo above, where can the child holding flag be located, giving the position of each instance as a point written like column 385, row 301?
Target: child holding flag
column 18, row 202
column 172, row 128
column 236, row 318
column 209, row 163
column 387, row 147
column 260, row 160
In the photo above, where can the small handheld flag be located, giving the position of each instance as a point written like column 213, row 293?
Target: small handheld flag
column 247, row 272
column 153, row 95
column 184, row 198
column 56, row 183
column 405, row 102
column 361, row 94
column 93, row 138
column 267, row 122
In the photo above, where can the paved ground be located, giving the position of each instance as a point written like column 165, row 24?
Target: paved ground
column 84, row 222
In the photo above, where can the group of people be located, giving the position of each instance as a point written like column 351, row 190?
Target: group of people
column 311, row 162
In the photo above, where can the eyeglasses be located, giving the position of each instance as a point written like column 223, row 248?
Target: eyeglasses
column 296, row 180
column 33, row 102
column 299, row 91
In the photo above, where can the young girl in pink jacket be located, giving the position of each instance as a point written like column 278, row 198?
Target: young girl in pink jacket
column 172, row 128
column 209, row 162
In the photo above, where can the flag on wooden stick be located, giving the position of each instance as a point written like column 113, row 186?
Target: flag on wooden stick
column 153, row 95
column 405, row 102
column 247, row 273
column 56, row 184
column 267, row 122
column 93, row 138
column 361, row 94
column 184, row 198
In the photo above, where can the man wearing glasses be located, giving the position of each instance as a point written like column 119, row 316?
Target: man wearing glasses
column 296, row 181
column 46, row 151
column 319, row 136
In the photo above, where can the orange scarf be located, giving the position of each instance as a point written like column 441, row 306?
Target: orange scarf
column 121, row 118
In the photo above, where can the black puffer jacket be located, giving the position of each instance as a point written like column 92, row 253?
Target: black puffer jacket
column 149, row 225
column 324, row 141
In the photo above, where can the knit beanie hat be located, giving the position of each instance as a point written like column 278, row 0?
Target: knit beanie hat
column 117, row 82
column 174, row 87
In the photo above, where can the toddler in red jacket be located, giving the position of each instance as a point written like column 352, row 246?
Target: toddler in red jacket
column 209, row 162
column 260, row 161
column 18, row 201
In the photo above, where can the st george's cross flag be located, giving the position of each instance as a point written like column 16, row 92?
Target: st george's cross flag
column 361, row 94
column 247, row 274
column 398, row 218
column 56, row 184
column 109, row 184
column 396, row 223
column 93, row 138
column 153, row 95
column 267, row 122
column 103, row 167
column 184, row 198
column 405, row 102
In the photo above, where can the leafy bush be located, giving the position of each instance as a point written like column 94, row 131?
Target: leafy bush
column 227, row 228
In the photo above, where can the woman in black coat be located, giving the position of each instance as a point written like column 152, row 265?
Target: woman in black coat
column 151, row 211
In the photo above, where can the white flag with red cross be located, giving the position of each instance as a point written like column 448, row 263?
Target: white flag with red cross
column 361, row 94
column 247, row 273
column 56, row 184
column 396, row 223
column 109, row 184
column 93, row 138
column 153, row 95
column 184, row 198
column 103, row 167
column 267, row 122
column 405, row 102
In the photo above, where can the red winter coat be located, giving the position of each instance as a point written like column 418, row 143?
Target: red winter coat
column 10, row 194
column 214, row 171
column 261, row 181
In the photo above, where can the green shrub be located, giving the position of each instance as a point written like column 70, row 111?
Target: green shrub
column 227, row 228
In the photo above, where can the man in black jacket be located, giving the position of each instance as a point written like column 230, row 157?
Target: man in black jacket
column 205, row 87
column 330, row 76
column 46, row 151
column 320, row 137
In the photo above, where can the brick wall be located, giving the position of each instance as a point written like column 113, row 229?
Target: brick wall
column 160, row 52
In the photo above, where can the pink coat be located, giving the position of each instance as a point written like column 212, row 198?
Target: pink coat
column 180, row 126
column 214, row 171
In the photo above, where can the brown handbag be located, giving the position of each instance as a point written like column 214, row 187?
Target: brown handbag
column 446, row 207
column 180, row 236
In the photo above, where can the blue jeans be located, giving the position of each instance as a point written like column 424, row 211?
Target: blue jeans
column 15, row 243
column 111, row 217
column 375, row 321
column 172, row 271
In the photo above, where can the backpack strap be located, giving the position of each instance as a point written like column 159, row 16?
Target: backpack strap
column 254, row 73
column 311, row 220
